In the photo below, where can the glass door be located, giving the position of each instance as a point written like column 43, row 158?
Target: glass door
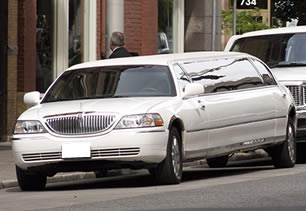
column 44, row 44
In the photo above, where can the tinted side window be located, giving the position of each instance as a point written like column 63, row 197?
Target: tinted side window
column 224, row 74
column 180, row 76
column 266, row 75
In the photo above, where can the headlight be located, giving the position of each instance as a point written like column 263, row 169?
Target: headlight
column 28, row 127
column 140, row 120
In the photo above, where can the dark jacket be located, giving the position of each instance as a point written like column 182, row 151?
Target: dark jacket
column 120, row 52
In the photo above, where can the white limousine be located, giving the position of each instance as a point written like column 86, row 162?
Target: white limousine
column 154, row 112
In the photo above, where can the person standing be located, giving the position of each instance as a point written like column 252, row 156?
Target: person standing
column 117, row 43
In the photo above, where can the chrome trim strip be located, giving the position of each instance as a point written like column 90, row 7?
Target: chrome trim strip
column 232, row 148
column 230, row 125
column 152, row 131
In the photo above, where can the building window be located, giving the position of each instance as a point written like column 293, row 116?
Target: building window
column 75, row 32
column 44, row 44
column 165, row 26
column 171, row 15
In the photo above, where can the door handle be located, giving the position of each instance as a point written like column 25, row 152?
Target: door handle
column 202, row 105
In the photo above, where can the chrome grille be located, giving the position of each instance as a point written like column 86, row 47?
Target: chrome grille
column 42, row 156
column 80, row 123
column 298, row 94
column 115, row 152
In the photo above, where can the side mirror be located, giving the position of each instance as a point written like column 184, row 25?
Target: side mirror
column 32, row 98
column 193, row 89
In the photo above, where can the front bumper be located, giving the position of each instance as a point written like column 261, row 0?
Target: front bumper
column 117, row 147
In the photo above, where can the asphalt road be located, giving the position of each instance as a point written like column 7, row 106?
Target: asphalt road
column 232, row 188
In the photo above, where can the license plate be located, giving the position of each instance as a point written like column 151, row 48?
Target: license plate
column 75, row 150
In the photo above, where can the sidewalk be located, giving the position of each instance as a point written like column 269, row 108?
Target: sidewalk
column 8, row 174
column 7, row 167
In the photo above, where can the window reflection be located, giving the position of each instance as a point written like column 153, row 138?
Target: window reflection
column 224, row 75
column 75, row 26
column 275, row 49
column 112, row 82
column 165, row 26
column 44, row 45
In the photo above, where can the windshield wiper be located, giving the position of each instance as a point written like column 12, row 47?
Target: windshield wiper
column 288, row 64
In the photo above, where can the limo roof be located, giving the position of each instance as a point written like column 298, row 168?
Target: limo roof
column 161, row 59
column 282, row 30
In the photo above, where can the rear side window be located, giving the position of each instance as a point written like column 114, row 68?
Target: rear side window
column 224, row 74
column 266, row 75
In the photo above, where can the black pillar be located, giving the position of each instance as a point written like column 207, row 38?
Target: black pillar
column 3, row 66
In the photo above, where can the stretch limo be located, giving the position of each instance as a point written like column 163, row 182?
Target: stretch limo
column 154, row 112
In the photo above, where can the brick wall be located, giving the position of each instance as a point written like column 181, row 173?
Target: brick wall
column 26, row 46
column 12, row 65
column 141, row 26
column 149, row 27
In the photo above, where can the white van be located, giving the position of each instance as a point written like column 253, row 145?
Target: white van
column 284, row 51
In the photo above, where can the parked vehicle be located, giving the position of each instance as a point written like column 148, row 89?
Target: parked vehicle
column 154, row 112
column 284, row 51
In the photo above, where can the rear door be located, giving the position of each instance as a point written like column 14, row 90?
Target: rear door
column 239, row 108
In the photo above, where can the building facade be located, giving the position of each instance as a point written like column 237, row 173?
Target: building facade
column 39, row 39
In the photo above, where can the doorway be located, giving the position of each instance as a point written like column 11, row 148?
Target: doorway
column 3, row 64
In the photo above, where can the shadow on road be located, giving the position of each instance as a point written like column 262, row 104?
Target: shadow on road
column 144, row 179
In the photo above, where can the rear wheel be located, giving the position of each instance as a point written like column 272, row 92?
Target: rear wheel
column 217, row 162
column 170, row 170
column 284, row 155
column 30, row 181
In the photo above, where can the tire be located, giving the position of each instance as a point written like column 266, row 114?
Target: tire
column 30, row 181
column 170, row 171
column 101, row 173
column 217, row 162
column 284, row 155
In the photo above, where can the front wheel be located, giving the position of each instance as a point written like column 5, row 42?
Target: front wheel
column 284, row 155
column 170, row 170
column 30, row 181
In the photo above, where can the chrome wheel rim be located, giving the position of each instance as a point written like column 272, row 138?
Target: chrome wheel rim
column 176, row 157
column 291, row 143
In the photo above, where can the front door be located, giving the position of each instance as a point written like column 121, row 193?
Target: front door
column 3, row 63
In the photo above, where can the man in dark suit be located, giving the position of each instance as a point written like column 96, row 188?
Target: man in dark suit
column 117, row 43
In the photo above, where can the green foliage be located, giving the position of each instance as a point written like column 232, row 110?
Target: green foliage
column 286, row 10
column 246, row 21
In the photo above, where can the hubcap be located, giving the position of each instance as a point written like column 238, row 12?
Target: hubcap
column 176, row 157
column 291, row 144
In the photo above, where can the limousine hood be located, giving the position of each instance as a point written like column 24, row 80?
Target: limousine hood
column 290, row 73
column 119, row 106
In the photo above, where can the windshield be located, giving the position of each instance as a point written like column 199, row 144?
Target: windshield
column 275, row 50
column 112, row 82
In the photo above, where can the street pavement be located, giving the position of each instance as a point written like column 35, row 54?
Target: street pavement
column 8, row 174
